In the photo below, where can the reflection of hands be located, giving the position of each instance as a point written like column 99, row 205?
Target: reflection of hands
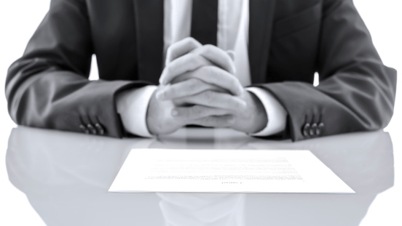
column 202, row 209
column 198, row 87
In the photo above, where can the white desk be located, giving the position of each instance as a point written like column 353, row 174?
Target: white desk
column 66, row 176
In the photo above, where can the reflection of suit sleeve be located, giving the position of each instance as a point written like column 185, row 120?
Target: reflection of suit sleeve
column 356, row 91
column 48, row 86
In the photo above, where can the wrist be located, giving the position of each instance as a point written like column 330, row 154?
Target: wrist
column 259, row 116
column 158, row 119
column 150, row 118
column 132, row 107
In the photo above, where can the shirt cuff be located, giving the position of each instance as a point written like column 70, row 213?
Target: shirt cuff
column 132, row 106
column 275, row 112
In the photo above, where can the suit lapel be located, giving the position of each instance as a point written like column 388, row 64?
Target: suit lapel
column 260, row 30
column 149, row 34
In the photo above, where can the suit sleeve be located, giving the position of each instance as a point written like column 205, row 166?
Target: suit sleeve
column 48, row 86
column 356, row 91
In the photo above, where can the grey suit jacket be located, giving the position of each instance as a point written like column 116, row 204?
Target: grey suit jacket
column 288, row 42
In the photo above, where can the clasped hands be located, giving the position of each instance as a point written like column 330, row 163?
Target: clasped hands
column 198, row 87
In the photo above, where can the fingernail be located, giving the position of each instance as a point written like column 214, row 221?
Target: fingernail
column 161, row 79
column 175, row 113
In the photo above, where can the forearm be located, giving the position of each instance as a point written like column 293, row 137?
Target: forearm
column 356, row 91
column 350, row 110
column 66, row 101
column 48, row 86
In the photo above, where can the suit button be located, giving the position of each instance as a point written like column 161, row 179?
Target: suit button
column 84, row 129
column 313, row 129
column 91, row 128
column 100, row 129
column 306, row 129
column 319, row 129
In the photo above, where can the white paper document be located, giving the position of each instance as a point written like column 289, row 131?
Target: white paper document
column 248, row 171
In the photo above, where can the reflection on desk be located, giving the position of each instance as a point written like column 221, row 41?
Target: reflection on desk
column 66, row 177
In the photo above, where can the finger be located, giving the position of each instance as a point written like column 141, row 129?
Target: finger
column 216, row 100
column 232, row 54
column 223, row 121
column 181, row 103
column 196, row 112
column 185, row 88
column 181, row 48
column 218, row 77
column 218, row 57
column 183, row 64
column 202, row 56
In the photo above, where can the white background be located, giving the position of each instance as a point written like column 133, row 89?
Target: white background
column 19, row 19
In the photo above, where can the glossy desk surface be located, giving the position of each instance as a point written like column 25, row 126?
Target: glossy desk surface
column 65, row 178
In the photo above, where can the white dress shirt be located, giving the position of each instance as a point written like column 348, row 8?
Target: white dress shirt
column 233, row 22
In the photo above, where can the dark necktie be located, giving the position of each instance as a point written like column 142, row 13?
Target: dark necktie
column 204, row 21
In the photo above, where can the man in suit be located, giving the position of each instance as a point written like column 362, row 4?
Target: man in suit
column 272, row 47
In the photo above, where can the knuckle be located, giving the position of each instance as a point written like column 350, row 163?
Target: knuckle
column 172, row 48
column 210, row 70
column 181, row 78
column 205, row 49
column 207, row 120
column 182, row 112
column 191, row 55
column 188, row 113
column 171, row 92
column 209, row 96
column 219, row 76
column 197, row 59
column 168, row 69
column 197, row 111
column 178, row 102
column 234, row 82
column 192, row 58
column 209, row 47
column 190, row 40
column 193, row 84
column 239, row 105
